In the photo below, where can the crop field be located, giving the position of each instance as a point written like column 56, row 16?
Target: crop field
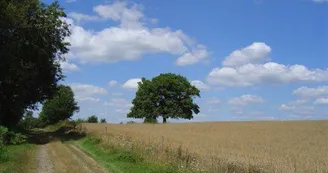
column 291, row 146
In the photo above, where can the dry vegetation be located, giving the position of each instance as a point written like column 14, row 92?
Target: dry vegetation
column 295, row 146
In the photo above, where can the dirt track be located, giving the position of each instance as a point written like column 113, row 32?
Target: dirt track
column 59, row 157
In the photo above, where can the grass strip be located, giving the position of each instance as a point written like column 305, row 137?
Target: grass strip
column 121, row 161
column 17, row 159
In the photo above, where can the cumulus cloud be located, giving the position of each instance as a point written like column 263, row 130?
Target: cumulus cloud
column 298, row 109
column 78, row 17
column 199, row 84
column 66, row 66
column 306, row 92
column 121, row 105
column 320, row 1
column 245, row 100
column 84, row 92
column 131, row 39
column 213, row 100
column 131, row 84
column 254, row 53
column 198, row 54
column 321, row 101
column 268, row 73
column 112, row 83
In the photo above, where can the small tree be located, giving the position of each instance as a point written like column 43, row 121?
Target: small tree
column 167, row 96
column 61, row 107
column 103, row 120
column 92, row 119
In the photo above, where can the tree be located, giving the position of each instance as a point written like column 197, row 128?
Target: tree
column 61, row 107
column 167, row 96
column 31, row 47
column 103, row 120
column 29, row 122
column 92, row 119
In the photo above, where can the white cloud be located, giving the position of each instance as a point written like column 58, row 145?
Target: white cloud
column 198, row 54
column 298, row 109
column 70, row 1
column 78, row 17
column 213, row 100
column 131, row 39
column 66, row 66
column 268, row 73
column 305, row 92
column 91, row 99
column 122, row 105
column 254, row 53
column 84, row 92
column 131, row 84
column 321, row 101
column 199, row 84
column 245, row 100
column 320, row 1
column 112, row 83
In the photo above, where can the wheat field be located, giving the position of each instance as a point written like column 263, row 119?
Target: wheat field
column 291, row 146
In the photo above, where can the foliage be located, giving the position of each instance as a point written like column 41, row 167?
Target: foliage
column 61, row 107
column 30, row 122
column 167, row 95
column 103, row 120
column 92, row 119
column 3, row 135
column 16, row 138
column 32, row 43
column 150, row 120
column 10, row 137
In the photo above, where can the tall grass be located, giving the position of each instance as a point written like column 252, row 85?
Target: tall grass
column 225, row 146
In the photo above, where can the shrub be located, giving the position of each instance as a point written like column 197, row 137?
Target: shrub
column 3, row 135
column 92, row 119
column 103, row 120
column 16, row 138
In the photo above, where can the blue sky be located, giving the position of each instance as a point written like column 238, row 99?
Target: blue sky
column 251, row 59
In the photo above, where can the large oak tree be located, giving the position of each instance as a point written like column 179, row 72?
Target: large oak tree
column 167, row 96
column 31, row 46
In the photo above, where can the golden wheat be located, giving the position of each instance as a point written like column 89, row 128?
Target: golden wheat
column 294, row 146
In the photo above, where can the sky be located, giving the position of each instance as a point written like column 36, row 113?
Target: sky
column 251, row 59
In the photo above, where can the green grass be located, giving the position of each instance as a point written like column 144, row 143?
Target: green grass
column 121, row 161
column 15, row 159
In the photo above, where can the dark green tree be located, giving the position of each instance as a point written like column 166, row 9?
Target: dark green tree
column 103, row 120
column 92, row 119
column 60, row 107
column 31, row 47
column 29, row 122
column 167, row 96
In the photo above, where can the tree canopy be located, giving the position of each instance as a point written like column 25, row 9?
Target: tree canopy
column 31, row 46
column 167, row 96
column 92, row 119
column 61, row 107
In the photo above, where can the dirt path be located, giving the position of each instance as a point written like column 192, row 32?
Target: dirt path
column 58, row 157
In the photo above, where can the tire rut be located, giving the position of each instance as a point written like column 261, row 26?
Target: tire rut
column 58, row 157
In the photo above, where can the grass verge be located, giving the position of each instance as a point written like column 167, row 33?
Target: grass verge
column 16, row 159
column 118, row 160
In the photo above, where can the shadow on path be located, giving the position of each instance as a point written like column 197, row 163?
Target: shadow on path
column 63, row 134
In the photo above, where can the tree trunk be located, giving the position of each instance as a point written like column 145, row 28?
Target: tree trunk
column 164, row 120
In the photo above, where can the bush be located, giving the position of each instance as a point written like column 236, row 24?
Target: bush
column 103, row 120
column 10, row 137
column 3, row 135
column 16, row 138
column 92, row 119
